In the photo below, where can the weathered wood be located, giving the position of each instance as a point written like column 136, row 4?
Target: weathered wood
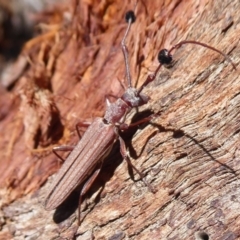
column 190, row 153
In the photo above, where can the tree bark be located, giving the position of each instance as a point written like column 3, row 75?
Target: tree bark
column 189, row 153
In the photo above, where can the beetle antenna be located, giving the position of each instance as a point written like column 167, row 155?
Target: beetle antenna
column 178, row 45
column 130, row 18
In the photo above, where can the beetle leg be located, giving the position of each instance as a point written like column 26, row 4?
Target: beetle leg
column 66, row 148
column 63, row 148
column 81, row 124
column 84, row 190
column 125, row 157
column 124, row 126
column 144, row 120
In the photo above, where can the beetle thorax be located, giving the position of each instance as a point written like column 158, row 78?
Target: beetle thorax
column 116, row 112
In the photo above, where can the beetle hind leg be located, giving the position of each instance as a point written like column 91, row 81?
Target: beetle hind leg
column 125, row 157
column 87, row 185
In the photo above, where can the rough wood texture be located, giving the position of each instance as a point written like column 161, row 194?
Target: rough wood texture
column 190, row 154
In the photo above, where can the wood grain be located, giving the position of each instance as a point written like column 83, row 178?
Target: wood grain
column 190, row 153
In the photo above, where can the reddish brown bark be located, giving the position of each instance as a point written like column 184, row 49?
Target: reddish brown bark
column 190, row 154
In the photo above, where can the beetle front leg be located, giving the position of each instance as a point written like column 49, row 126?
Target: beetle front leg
column 124, row 154
column 144, row 120
column 124, row 126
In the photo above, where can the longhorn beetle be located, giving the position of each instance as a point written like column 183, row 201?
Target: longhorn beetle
column 86, row 159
